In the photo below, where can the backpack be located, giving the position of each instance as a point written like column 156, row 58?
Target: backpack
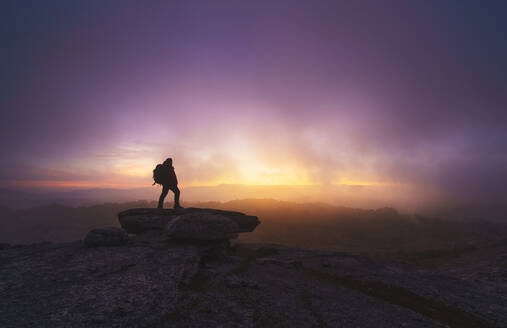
column 160, row 174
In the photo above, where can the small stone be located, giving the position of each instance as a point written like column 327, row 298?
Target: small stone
column 237, row 282
column 283, row 263
column 5, row 246
column 106, row 237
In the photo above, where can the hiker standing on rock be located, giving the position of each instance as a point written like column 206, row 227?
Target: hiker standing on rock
column 164, row 174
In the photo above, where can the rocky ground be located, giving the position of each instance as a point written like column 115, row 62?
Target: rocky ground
column 153, row 280
column 485, row 261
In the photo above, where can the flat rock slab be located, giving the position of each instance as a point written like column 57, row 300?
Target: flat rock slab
column 138, row 220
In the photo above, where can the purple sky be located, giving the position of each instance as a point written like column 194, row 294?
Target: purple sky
column 382, row 93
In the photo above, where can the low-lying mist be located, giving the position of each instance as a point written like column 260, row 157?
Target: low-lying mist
column 307, row 225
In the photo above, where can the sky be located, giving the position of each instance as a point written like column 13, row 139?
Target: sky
column 380, row 94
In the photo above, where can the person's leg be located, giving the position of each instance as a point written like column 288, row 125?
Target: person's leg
column 176, row 191
column 165, row 190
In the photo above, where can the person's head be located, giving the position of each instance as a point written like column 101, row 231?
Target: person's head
column 168, row 162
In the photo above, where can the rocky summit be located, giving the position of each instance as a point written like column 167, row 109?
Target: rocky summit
column 152, row 279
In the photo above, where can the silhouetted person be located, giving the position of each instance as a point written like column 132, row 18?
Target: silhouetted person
column 164, row 174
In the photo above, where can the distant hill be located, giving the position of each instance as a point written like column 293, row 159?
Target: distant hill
column 353, row 196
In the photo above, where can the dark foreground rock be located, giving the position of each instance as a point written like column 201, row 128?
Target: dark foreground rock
column 138, row 220
column 111, row 236
column 168, row 284
column 200, row 226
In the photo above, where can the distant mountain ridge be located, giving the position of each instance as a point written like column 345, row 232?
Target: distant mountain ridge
column 354, row 196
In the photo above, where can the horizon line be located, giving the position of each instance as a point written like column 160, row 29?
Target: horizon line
column 85, row 185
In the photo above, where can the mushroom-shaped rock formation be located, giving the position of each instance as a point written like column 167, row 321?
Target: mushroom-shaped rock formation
column 138, row 220
column 106, row 237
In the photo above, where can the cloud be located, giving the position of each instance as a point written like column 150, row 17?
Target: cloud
column 260, row 93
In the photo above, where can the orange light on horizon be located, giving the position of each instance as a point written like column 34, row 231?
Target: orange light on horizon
column 353, row 182
column 101, row 184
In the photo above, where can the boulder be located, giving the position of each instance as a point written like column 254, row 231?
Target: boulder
column 202, row 227
column 106, row 237
column 5, row 246
column 138, row 220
